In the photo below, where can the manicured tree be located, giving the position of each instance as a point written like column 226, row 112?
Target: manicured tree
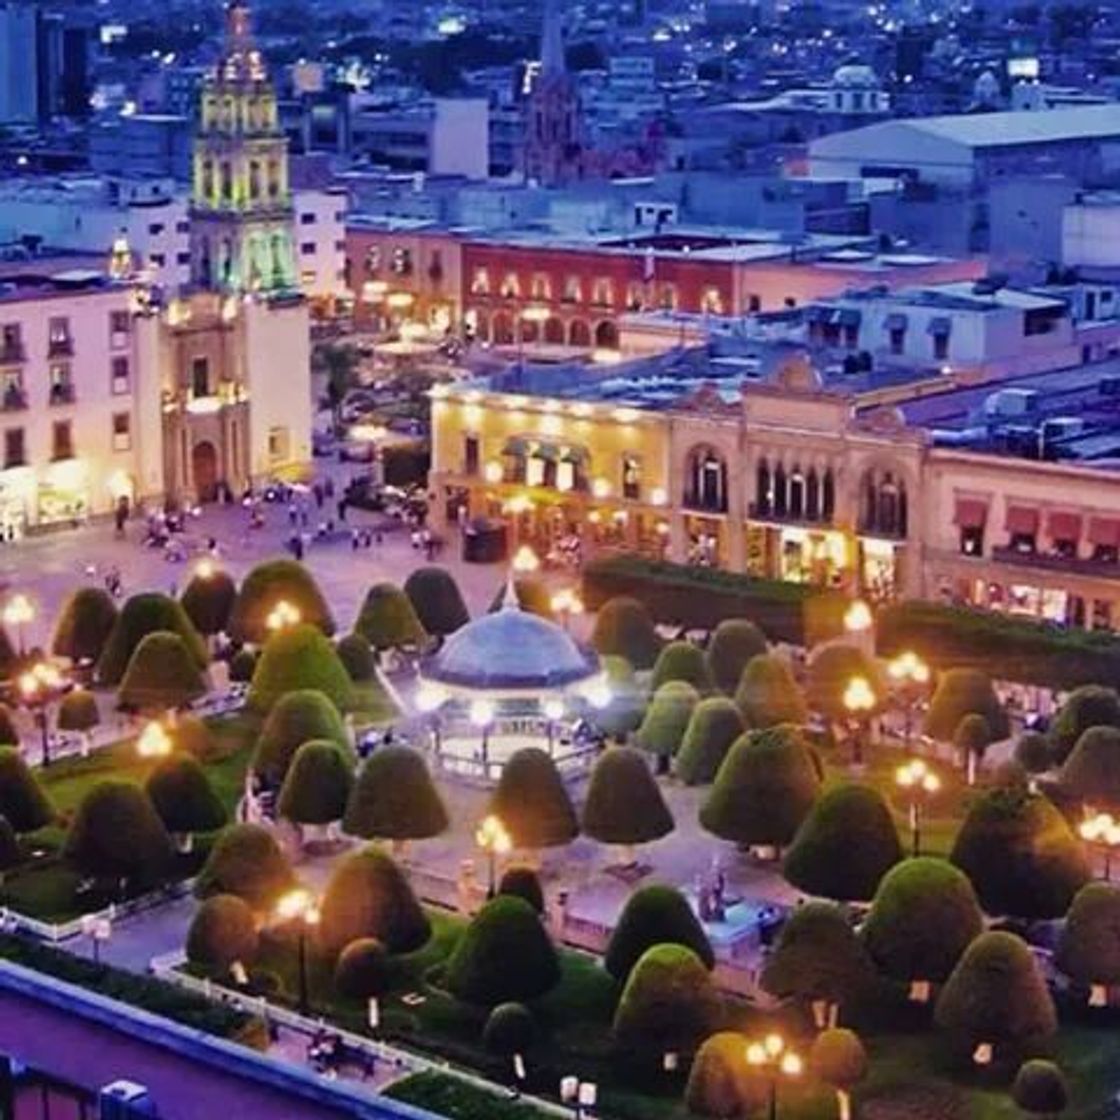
column 1089, row 946
column 1091, row 771
column 368, row 895
column 818, row 961
column 720, row 1083
column 1092, row 705
column 363, row 969
column 845, row 846
column 268, row 584
column 298, row 657
column 161, row 675
column 714, row 726
column 532, row 596
column 972, row 738
column 963, row 692
column 388, row 619
column 624, row 804
column 242, row 665
column 654, row 915
column 357, row 657
column 84, row 626
column 142, row 615
column 763, row 790
column 524, row 883
column 838, row 1060
column 117, row 836
column 22, row 800
column 10, row 852
column 767, row 694
column 437, row 601
column 627, row 706
column 504, row 954
column 733, row 645
column 668, row 1005
column 510, row 1029
column 996, row 997
column 1033, row 752
column 208, row 600
column 9, row 733
column 623, row 628
column 395, row 799
column 1040, row 1088
column 924, row 915
column 532, row 801
column 666, row 719
column 317, row 785
column 183, row 797
column 194, row 737
column 222, row 932
column 296, row 718
column 831, row 670
column 1020, row 854
column 78, row 713
column 682, row 661
column 246, row 861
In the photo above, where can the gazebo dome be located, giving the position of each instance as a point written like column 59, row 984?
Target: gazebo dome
column 513, row 650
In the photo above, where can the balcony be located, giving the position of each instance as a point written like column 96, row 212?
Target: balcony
column 12, row 351
column 758, row 511
column 14, row 399
column 1049, row 562
column 63, row 393
column 60, row 348
column 704, row 503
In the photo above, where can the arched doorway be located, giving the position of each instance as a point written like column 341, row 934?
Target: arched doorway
column 554, row 332
column 579, row 333
column 606, row 335
column 204, row 471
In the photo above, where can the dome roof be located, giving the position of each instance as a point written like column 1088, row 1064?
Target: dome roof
column 510, row 649
column 856, row 76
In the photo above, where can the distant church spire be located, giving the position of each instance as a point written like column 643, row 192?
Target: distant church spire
column 552, row 41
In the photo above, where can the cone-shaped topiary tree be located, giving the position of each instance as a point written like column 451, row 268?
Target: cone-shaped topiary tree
column 972, row 738
column 510, row 1029
column 10, row 852
column 194, row 737
column 669, row 1004
column 222, row 932
column 246, row 861
column 963, row 692
column 845, row 846
column 831, row 670
column 388, row 619
column 714, row 726
column 1092, row 705
column 394, row 798
column 532, row 801
column 818, row 961
column 624, row 804
column 627, row 706
column 78, row 711
column 9, row 733
column 682, row 661
column 117, row 836
column 1040, row 1089
column 1020, row 854
column 924, row 915
column 767, row 695
column 142, row 615
column 268, row 584
column 1089, row 945
column 720, row 1083
column 297, row 718
column 368, row 895
column 208, row 600
column 524, row 883
column 997, row 997
column 84, row 625
column 1091, row 772
column 363, row 969
column 838, row 1060
column 654, row 915
column 437, row 601
column 505, row 954
column 666, row 719
column 763, row 790
column 161, row 675
column 532, row 596
column 357, row 657
column 317, row 785
column 623, row 628
column 1033, row 752
column 735, row 642
column 296, row 658
column 183, row 797
column 22, row 800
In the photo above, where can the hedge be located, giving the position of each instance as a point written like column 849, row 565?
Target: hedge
column 317, row 785
column 161, row 675
column 714, row 726
column 533, row 803
column 362, row 970
column 298, row 718
column 22, row 799
column 208, row 600
column 246, row 861
column 624, row 804
column 394, row 798
column 654, row 915
column 299, row 657
column 1088, row 949
column 388, row 619
column 142, row 615
column 268, row 584
column 222, row 931
column 624, row 629
column 84, row 625
column 732, row 647
column 443, row 1094
column 182, row 795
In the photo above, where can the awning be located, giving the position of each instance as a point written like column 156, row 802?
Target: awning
column 940, row 325
column 895, row 322
column 850, row 317
column 1104, row 532
column 515, row 446
column 1022, row 521
column 971, row 513
column 1064, row 526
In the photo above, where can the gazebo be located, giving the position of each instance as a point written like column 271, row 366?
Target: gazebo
column 507, row 680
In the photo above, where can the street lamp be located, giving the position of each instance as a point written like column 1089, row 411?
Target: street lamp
column 859, row 701
column 911, row 674
column 205, row 569
column 153, row 741
column 920, row 783
column 774, row 1061
column 282, row 615
column 1102, row 831
column 492, row 837
column 566, row 603
column 38, row 686
column 299, row 906
column 526, row 561
column 857, row 618
column 18, row 612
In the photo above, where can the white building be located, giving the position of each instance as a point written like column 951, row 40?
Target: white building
column 320, row 231
column 1091, row 231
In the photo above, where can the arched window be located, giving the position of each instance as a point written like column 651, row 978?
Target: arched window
column 812, row 495
column 828, row 496
column 883, row 504
column 762, row 488
column 707, row 480
column 781, row 503
column 796, row 494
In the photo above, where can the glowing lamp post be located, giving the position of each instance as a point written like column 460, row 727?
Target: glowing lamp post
column 566, row 603
column 525, row 561
column 1100, row 830
column 39, row 686
column 153, row 742
column 775, row 1062
column 920, row 784
column 299, row 906
column 283, row 615
column 492, row 837
column 18, row 612
column 859, row 702
column 911, row 676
